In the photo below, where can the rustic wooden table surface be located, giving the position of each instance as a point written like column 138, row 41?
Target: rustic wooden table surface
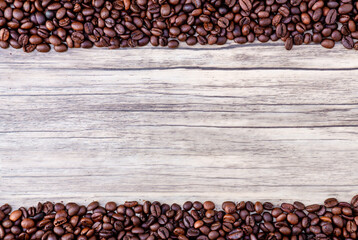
column 222, row 123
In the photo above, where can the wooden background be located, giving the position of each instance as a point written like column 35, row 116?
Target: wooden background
column 251, row 122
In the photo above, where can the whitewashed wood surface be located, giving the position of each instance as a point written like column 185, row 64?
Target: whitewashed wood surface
column 251, row 122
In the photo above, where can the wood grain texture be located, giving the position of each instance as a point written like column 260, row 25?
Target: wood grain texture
column 232, row 122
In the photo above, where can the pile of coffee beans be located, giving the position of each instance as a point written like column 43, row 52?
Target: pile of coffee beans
column 38, row 24
column 194, row 220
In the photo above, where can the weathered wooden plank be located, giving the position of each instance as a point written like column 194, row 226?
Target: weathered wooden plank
column 232, row 122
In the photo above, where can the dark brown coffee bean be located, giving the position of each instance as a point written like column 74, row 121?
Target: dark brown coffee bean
column 235, row 234
column 173, row 44
column 223, row 22
column 27, row 223
column 347, row 42
column 331, row 16
column 315, row 207
column 4, row 34
column 289, row 43
column 35, row 39
column 345, row 8
column 163, row 233
column 245, row 5
column 43, row 47
column 336, row 35
column 285, row 230
column 354, row 201
column 155, row 210
column 298, row 205
column 240, row 40
column 15, row 215
column 209, row 205
column 55, row 40
column 60, row 48
column 330, row 202
column 281, row 30
column 77, row 26
column 229, row 207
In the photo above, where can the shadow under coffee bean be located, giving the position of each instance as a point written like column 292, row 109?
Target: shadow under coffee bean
column 113, row 24
column 193, row 220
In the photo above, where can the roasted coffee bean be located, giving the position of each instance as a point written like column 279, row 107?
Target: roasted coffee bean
column 43, row 47
column 235, row 234
column 229, row 207
column 245, row 5
column 347, row 42
column 315, row 207
column 163, row 233
column 60, row 48
column 299, row 205
column 155, row 210
column 208, row 205
column 15, row 215
column 354, row 201
column 281, row 30
column 331, row 16
column 27, row 223
column 289, row 43
column 173, row 44
column 4, row 34
column 287, row 207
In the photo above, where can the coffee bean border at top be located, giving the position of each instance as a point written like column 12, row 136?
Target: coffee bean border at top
column 42, row 24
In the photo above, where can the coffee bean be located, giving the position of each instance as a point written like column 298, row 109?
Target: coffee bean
column 23, row 39
column 354, row 201
column 137, row 35
column 347, row 42
column 29, row 48
column 92, row 206
column 223, row 22
column 77, row 26
column 155, row 210
column 235, row 234
column 163, row 233
column 209, row 205
column 298, row 39
column 315, row 207
column 268, row 206
column 77, row 37
column 27, row 223
column 289, row 43
column 298, row 205
column 173, row 44
column 165, row 10
column 345, row 8
column 281, row 30
column 4, row 44
column 285, row 230
column 55, row 40
column 229, row 207
column 331, row 16
column 4, row 34
column 336, row 35
column 35, row 39
column 188, row 221
column 15, row 215
column 330, row 202
column 60, row 48
column 245, row 5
